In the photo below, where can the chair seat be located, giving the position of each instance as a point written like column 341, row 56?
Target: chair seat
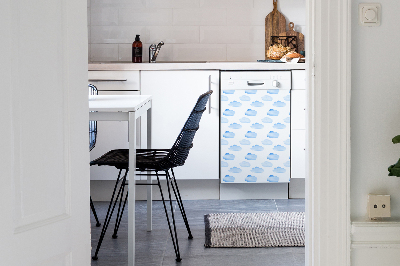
column 146, row 159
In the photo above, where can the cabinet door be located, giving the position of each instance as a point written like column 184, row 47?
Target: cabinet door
column 298, row 109
column 174, row 96
column 298, row 153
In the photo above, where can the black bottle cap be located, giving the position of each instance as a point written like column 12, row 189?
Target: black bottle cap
column 137, row 39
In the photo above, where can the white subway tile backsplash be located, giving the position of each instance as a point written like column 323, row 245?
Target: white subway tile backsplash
column 115, row 34
column 104, row 52
column 88, row 16
column 246, row 17
column 145, row 17
column 214, row 3
column 245, row 52
column 173, row 34
column 104, row 16
column 172, row 3
column 224, row 34
column 125, row 52
column 199, row 16
column 199, row 52
column 119, row 3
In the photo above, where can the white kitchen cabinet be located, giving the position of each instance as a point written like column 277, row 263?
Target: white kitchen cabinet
column 174, row 96
column 112, row 134
column 298, row 116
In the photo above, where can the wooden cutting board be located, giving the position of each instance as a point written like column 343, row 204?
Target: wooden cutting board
column 292, row 32
column 275, row 23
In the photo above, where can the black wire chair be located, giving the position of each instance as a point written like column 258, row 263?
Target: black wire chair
column 92, row 143
column 154, row 160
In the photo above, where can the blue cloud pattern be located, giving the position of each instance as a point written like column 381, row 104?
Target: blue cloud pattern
column 228, row 112
column 224, row 164
column 267, row 164
column 235, row 104
column 235, row 148
column 224, row 98
column 251, row 178
column 229, row 134
column 245, row 164
column 251, row 135
column 244, row 120
column 257, row 148
column 224, row 120
column 228, row 178
column 244, row 98
column 228, row 91
column 279, row 104
column 267, row 98
column 287, row 98
column 279, row 148
column 287, row 164
column 235, row 126
column 257, row 170
column 287, row 142
column 245, row 142
column 273, row 91
column 273, row 156
column 267, row 142
column 224, row 142
column 251, row 157
column 286, row 120
column 279, row 170
column 273, row 178
column 235, row 170
column 250, row 91
column 257, row 104
column 271, row 112
column 273, row 135
column 250, row 112
column 267, row 120
column 257, row 126
column 229, row 156
column 279, row 126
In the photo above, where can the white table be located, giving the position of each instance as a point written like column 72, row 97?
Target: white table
column 127, row 108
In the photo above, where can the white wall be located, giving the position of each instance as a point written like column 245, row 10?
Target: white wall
column 375, row 108
column 375, row 119
column 193, row 30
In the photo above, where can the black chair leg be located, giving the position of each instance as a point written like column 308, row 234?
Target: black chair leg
column 120, row 211
column 109, row 213
column 174, row 239
column 175, row 188
column 94, row 213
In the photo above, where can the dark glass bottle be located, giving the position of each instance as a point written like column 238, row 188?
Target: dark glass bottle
column 137, row 50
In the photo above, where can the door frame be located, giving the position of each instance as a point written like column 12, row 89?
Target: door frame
column 328, row 221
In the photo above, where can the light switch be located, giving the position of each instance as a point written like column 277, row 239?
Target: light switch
column 369, row 14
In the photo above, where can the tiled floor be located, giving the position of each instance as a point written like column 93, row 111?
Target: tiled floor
column 155, row 248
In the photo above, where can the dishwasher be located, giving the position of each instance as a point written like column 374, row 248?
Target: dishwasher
column 255, row 127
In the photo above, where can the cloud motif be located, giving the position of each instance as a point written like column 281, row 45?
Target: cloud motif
column 235, row 126
column 224, row 142
column 257, row 126
column 273, row 91
column 224, row 120
column 273, row 157
column 266, row 98
column 279, row 170
column 224, row 164
column 266, row 142
column 250, row 112
column 271, row 134
column 228, row 178
column 228, row 112
column 251, row 157
column 287, row 142
column 245, row 142
column 251, row 135
column 235, row 148
column 229, row 135
column 229, row 157
column 287, row 164
column 279, row 126
column 286, row 120
column 257, row 170
column 279, row 148
column 267, row 164
column 245, row 164
column 287, row 98
column 273, row 178
column 235, row 170
column 267, row 120
column 271, row 112
column 228, row 91
column 251, row 91
column 251, row 178
column 235, row 104
column 257, row 148
column 244, row 98
column 257, row 104
column 224, row 98
column 244, row 120
column 279, row 104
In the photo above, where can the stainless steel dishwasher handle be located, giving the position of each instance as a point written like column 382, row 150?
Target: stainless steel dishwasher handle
column 209, row 99
column 254, row 83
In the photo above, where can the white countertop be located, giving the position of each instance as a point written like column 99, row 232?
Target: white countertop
column 196, row 66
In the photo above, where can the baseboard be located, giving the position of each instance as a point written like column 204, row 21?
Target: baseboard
column 297, row 188
column 375, row 243
column 101, row 190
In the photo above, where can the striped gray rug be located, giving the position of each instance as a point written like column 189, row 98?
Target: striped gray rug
column 238, row 230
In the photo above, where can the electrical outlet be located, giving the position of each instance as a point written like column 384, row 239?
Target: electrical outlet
column 378, row 206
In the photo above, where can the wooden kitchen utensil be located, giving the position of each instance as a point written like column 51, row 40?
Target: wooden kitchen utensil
column 292, row 32
column 275, row 23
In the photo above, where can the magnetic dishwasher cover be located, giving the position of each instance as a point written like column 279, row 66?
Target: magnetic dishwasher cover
column 255, row 126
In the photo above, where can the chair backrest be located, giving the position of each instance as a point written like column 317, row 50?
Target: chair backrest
column 92, row 124
column 180, row 150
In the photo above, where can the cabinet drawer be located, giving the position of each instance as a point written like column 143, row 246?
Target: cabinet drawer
column 298, row 109
column 115, row 80
column 298, row 79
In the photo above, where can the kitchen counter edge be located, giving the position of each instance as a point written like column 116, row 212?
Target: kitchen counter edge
column 194, row 66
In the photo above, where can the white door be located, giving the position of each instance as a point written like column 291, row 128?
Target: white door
column 44, row 191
